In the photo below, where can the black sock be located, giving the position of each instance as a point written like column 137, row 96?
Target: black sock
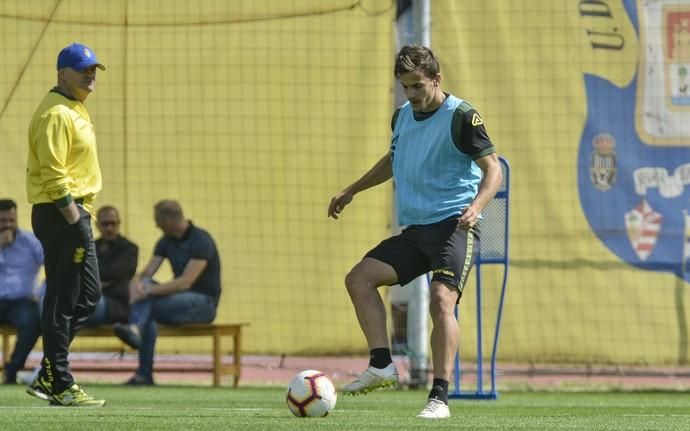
column 439, row 390
column 380, row 357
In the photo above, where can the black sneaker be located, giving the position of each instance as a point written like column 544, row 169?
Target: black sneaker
column 40, row 388
column 127, row 335
column 9, row 377
column 138, row 380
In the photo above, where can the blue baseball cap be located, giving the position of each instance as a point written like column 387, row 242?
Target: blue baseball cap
column 78, row 57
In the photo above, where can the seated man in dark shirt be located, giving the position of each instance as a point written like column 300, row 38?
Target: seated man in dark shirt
column 117, row 264
column 190, row 297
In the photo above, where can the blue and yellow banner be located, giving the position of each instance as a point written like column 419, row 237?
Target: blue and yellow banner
column 588, row 100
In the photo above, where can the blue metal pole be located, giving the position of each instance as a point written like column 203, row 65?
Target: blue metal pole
column 480, row 377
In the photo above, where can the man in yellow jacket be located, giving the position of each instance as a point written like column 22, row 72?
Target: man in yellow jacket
column 63, row 178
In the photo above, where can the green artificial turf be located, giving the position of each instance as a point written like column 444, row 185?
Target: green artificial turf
column 264, row 408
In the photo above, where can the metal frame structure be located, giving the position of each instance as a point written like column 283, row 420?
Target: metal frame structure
column 493, row 251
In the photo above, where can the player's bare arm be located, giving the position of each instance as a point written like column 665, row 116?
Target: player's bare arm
column 491, row 182
column 379, row 173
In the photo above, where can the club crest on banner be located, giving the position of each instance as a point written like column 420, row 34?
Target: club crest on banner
column 634, row 155
column 642, row 224
column 603, row 166
column 663, row 97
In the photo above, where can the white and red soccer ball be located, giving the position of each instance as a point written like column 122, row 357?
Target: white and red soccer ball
column 311, row 394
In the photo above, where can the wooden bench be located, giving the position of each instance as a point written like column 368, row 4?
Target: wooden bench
column 215, row 330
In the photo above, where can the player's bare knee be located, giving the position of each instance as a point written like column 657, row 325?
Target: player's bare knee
column 440, row 309
column 355, row 282
column 442, row 302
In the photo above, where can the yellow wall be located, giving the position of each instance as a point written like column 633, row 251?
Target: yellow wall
column 253, row 117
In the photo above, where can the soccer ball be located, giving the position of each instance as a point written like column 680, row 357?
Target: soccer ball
column 311, row 394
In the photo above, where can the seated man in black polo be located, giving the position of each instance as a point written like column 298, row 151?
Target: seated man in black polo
column 191, row 297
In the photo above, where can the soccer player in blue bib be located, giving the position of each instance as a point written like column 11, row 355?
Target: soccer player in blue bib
column 445, row 170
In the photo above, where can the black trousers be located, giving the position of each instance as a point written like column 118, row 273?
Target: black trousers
column 72, row 286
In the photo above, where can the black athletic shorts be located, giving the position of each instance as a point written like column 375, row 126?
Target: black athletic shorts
column 443, row 248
